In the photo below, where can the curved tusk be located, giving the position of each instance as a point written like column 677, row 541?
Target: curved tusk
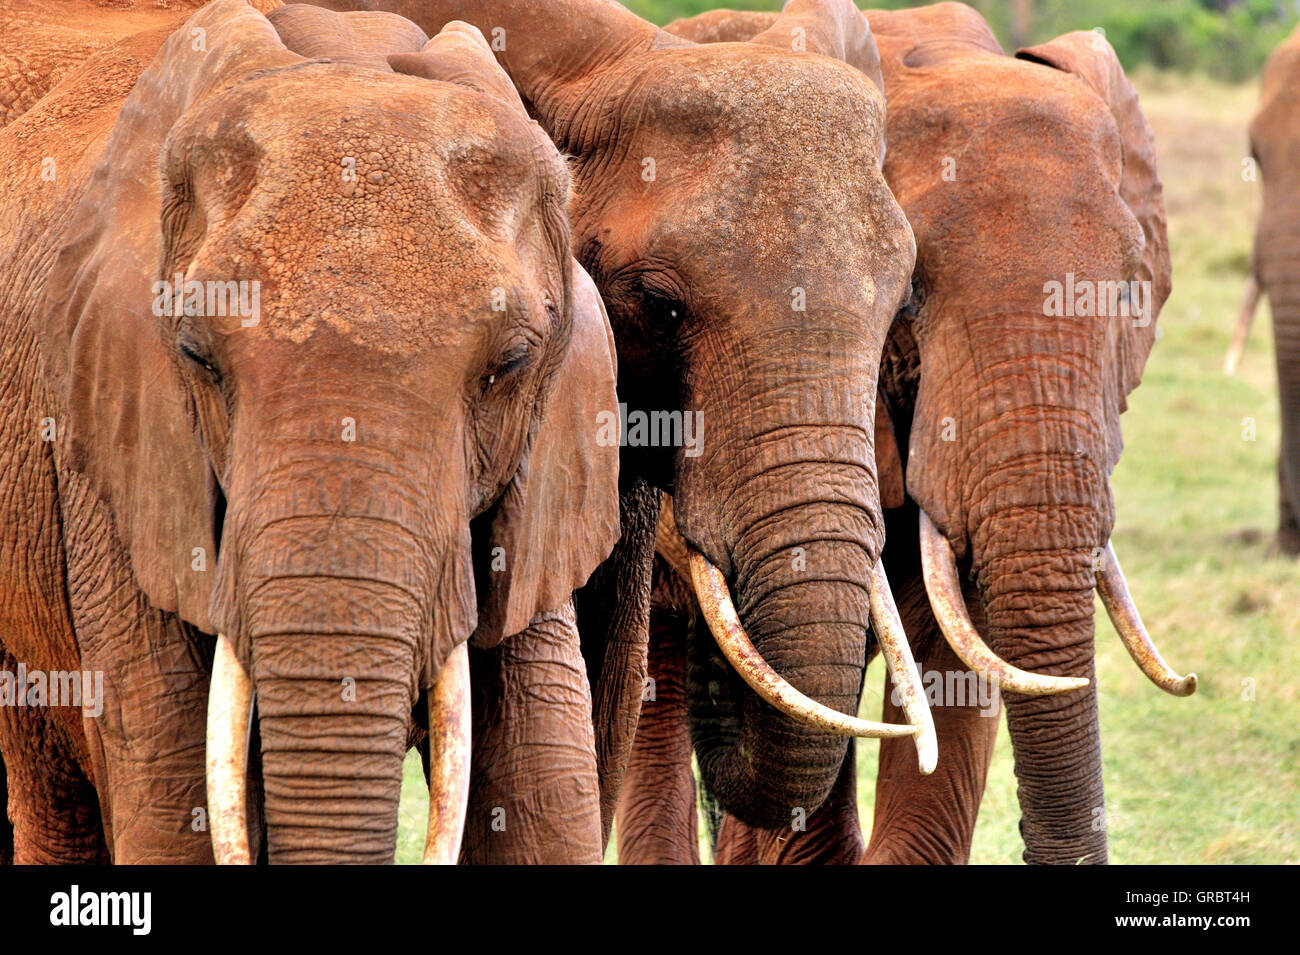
column 229, row 714
column 1242, row 330
column 449, row 755
column 939, row 567
column 902, row 668
column 715, row 604
column 1123, row 612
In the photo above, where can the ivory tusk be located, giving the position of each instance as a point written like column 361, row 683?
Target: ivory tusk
column 715, row 603
column 449, row 759
column 1123, row 612
column 902, row 668
column 1242, row 329
column 229, row 714
column 939, row 567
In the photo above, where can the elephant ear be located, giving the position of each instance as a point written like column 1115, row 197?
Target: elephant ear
column 1088, row 56
column 129, row 418
column 361, row 38
column 459, row 54
column 558, row 518
column 832, row 28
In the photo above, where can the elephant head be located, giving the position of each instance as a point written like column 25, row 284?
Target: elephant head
column 729, row 204
column 370, row 368
column 1275, row 147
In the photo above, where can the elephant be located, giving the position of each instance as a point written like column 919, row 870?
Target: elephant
column 301, row 392
column 1274, row 150
column 1024, row 178
column 729, row 204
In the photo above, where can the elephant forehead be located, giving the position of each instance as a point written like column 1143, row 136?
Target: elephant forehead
column 754, row 97
column 955, row 132
column 390, row 283
column 379, row 221
column 407, row 128
column 756, row 153
column 982, row 92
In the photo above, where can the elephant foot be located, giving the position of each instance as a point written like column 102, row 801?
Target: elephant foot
column 1287, row 542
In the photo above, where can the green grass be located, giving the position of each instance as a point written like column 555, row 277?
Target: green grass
column 412, row 812
column 1212, row 778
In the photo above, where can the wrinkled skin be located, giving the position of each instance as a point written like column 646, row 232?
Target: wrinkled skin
column 657, row 819
column 1006, row 420
column 1275, row 144
column 44, row 40
column 765, row 181
column 326, row 486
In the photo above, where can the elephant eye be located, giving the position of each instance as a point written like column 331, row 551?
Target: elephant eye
column 666, row 312
column 192, row 353
column 511, row 362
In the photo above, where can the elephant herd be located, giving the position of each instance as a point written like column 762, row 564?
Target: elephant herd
column 566, row 398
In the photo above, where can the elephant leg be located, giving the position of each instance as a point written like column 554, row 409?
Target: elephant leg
column 737, row 843
column 831, row 835
column 148, row 745
column 534, row 792
column 1288, row 525
column 47, row 804
column 930, row 820
column 147, row 738
column 657, row 819
column 613, row 612
column 51, row 806
column 1286, row 351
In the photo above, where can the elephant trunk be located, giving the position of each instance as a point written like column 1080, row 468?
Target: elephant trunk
column 783, row 502
column 804, row 604
column 1037, row 551
column 334, row 660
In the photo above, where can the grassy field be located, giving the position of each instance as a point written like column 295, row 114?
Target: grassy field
column 1214, row 778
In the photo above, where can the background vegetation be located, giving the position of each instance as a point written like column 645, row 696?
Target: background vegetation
column 1228, row 39
column 1214, row 778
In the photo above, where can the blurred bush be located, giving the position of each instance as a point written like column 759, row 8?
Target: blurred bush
column 1227, row 39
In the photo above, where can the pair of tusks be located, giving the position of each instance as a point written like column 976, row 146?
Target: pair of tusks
column 720, row 613
column 942, row 584
column 229, row 714
column 1242, row 330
